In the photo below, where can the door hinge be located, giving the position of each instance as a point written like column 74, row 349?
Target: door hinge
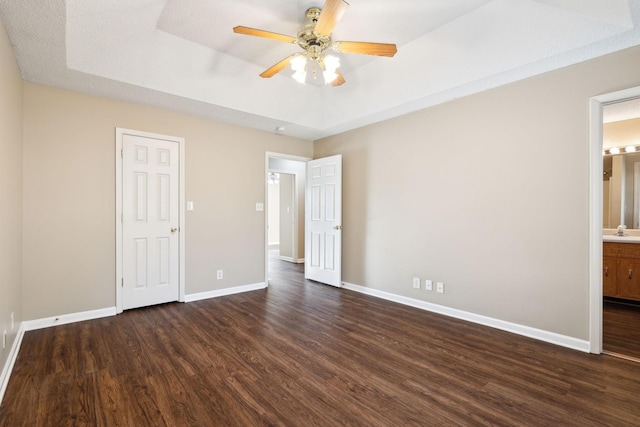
column 122, row 153
column 122, row 282
column 122, row 217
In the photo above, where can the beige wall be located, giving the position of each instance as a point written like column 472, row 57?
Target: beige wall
column 69, row 207
column 487, row 193
column 10, row 193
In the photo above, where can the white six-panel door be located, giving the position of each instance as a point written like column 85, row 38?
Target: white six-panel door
column 323, row 225
column 150, row 221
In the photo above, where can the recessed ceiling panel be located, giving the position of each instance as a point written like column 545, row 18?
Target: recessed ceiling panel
column 183, row 54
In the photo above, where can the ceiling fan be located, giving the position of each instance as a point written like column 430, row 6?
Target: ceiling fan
column 315, row 38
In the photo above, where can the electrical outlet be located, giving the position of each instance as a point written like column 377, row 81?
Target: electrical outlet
column 219, row 274
column 416, row 283
column 440, row 287
column 428, row 285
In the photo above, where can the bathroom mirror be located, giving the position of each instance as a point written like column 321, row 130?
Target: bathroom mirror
column 621, row 164
column 621, row 190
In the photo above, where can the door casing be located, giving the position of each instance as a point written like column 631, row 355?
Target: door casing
column 120, row 132
column 596, row 105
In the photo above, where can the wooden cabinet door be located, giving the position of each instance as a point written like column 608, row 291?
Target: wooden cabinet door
column 629, row 279
column 609, row 280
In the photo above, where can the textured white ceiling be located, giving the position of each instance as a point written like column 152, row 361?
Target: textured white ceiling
column 619, row 111
column 183, row 55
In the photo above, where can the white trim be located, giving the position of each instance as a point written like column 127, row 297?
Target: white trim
column 11, row 360
column 539, row 334
column 120, row 132
column 63, row 319
column 300, row 261
column 596, row 105
column 223, row 292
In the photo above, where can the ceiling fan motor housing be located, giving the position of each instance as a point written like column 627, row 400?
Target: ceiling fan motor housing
column 309, row 40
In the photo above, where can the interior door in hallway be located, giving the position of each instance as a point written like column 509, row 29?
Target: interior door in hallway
column 323, row 224
column 150, row 221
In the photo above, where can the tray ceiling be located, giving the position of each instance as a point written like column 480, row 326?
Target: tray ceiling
column 182, row 54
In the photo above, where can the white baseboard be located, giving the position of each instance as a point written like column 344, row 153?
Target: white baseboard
column 11, row 360
column 301, row 261
column 223, row 292
column 63, row 319
column 539, row 334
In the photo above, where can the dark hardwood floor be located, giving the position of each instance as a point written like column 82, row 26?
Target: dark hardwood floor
column 305, row 354
column 621, row 328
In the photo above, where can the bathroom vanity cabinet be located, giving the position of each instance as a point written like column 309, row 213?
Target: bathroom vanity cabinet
column 621, row 270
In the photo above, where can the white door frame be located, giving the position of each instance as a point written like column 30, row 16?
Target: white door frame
column 596, row 105
column 267, row 156
column 120, row 132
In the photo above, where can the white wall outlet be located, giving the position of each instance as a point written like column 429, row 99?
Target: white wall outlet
column 428, row 285
column 259, row 207
column 219, row 274
column 416, row 283
column 440, row 287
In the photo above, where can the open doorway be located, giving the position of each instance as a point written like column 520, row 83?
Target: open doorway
column 282, row 220
column 285, row 184
column 621, row 230
column 598, row 269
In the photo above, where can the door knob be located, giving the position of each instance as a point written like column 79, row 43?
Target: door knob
column 174, row 229
column 338, row 227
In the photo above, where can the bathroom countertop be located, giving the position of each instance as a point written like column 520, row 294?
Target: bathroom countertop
column 620, row 239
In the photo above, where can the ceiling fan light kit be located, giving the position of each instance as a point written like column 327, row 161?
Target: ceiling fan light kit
column 315, row 38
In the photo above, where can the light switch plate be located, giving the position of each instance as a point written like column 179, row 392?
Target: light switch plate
column 189, row 205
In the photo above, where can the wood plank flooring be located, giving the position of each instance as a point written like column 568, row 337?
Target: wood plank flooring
column 306, row 354
column 621, row 328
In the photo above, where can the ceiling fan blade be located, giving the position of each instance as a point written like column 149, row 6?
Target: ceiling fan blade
column 339, row 81
column 277, row 68
column 266, row 34
column 330, row 15
column 366, row 48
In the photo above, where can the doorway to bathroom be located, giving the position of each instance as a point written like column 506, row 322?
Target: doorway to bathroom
column 614, row 234
column 621, row 231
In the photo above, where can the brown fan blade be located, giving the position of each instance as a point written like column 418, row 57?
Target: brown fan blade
column 330, row 15
column 266, row 34
column 339, row 81
column 277, row 68
column 366, row 48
